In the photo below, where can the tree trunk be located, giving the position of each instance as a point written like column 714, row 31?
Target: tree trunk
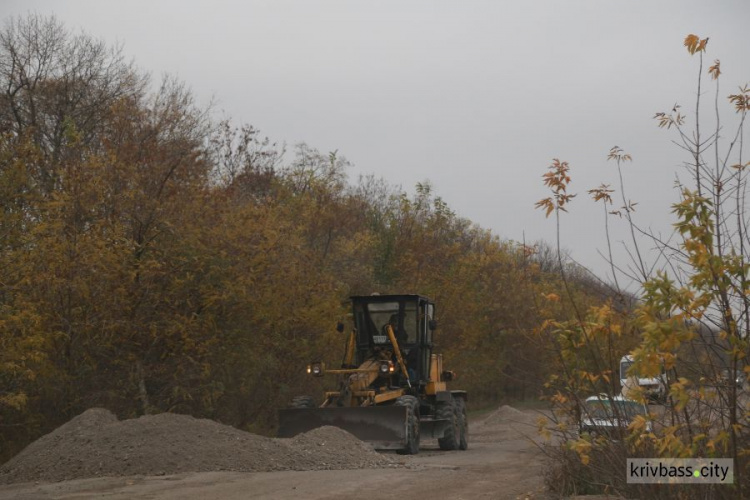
column 140, row 374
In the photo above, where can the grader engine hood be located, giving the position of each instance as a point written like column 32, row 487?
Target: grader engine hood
column 384, row 427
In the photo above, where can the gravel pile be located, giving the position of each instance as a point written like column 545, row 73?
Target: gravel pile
column 334, row 448
column 505, row 423
column 96, row 444
column 507, row 414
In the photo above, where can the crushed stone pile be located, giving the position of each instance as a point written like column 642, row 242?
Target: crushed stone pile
column 96, row 444
column 507, row 414
column 334, row 448
column 505, row 423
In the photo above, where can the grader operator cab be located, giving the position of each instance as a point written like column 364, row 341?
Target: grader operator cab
column 391, row 389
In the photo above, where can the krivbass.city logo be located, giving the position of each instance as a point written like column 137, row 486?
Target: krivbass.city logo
column 680, row 470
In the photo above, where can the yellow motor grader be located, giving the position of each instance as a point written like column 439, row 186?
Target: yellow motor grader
column 391, row 389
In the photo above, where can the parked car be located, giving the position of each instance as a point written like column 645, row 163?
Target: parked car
column 739, row 378
column 611, row 416
column 724, row 379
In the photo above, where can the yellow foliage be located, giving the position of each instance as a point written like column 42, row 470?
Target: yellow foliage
column 638, row 424
column 542, row 428
column 583, row 448
column 695, row 44
column 16, row 401
column 715, row 70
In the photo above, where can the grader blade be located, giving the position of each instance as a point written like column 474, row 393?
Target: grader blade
column 384, row 427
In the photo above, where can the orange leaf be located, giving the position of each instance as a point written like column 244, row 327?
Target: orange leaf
column 715, row 70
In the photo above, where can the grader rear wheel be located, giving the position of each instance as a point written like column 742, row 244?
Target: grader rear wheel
column 463, row 424
column 446, row 410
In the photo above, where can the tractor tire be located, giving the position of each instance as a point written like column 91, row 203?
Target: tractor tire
column 446, row 410
column 302, row 402
column 412, row 424
column 463, row 424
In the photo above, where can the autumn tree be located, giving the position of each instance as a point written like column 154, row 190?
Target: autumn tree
column 691, row 318
column 154, row 259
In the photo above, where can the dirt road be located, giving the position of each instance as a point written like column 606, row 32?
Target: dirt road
column 501, row 462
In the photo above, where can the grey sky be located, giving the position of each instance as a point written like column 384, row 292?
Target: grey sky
column 476, row 96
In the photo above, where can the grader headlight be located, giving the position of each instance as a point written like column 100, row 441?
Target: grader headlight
column 386, row 368
column 315, row 369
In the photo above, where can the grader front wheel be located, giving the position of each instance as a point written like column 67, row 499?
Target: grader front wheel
column 411, row 446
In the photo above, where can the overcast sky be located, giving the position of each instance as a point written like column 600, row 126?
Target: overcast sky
column 476, row 96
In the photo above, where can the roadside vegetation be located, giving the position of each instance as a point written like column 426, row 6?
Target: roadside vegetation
column 691, row 319
column 155, row 258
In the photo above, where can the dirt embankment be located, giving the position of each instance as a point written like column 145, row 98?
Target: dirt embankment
column 96, row 444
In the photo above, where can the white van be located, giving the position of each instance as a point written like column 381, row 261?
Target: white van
column 655, row 388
